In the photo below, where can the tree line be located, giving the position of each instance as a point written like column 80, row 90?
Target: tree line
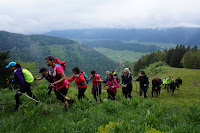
column 181, row 56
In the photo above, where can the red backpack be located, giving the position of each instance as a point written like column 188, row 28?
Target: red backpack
column 62, row 63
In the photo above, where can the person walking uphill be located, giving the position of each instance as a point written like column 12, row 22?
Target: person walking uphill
column 60, row 83
column 19, row 79
column 47, row 76
column 127, row 83
column 154, row 86
column 96, row 88
column 143, row 83
column 112, row 86
column 80, row 81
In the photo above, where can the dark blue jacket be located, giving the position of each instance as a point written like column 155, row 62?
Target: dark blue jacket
column 19, row 79
column 143, row 80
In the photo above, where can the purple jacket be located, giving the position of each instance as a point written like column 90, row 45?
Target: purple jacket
column 19, row 79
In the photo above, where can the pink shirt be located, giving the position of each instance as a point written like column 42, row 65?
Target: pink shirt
column 60, row 70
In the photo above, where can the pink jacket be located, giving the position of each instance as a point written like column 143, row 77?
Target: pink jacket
column 110, row 83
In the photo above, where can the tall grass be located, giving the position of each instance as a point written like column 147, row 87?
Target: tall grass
column 167, row 113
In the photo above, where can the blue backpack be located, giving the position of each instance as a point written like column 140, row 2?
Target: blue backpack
column 86, row 77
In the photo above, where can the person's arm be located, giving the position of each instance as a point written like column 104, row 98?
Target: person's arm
column 99, row 80
column 39, row 78
column 72, row 78
column 106, row 84
column 138, row 79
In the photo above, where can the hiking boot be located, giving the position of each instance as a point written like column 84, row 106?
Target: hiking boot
column 15, row 109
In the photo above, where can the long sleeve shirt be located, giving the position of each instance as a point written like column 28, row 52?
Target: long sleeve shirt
column 80, row 81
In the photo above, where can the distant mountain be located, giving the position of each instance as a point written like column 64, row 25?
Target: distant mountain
column 117, row 45
column 36, row 47
column 179, row 35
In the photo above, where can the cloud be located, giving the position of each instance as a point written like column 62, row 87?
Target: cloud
column 37, row 16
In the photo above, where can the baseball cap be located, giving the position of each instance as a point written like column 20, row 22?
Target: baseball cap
column 12, row 63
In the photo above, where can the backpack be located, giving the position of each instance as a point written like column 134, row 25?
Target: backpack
column 27, row 76
column 98, row 76
column 61, row 63
column 86, row 77
column 116, row 77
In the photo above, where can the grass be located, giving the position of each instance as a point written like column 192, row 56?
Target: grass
column 126, row 55
column 166, row 113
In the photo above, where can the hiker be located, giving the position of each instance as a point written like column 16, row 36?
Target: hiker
column 106, row 80
column 112, row 86
column 178, row 82
column 154, row 86
column 165, row 82
column 96, row 88
column 173, row 86
column 143, row 83
column 169, row 81
column 47, row 76
column 60, row 83
column 80, row 80
column 115, row 75
column 23, row 85
column 127, row 83
column 160, row 83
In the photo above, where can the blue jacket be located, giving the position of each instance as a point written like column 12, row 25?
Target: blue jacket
column 19, row 79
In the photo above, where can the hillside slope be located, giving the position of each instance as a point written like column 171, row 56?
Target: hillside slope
column 30, row 48
column 167, row 113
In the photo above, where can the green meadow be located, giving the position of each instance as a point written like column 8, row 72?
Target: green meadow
column 166, row 113
column 125, row 55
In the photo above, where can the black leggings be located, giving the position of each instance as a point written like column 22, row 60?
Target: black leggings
column 81, row 93
column 62, row 91
column 18, row 94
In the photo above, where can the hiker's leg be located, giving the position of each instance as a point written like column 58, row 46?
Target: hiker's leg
column 152, row 91
column 17, row 95
column 95, row 95
column 145, row 92
column 81, row 93
column 129, row 92
column 50, row 89
column 140, row 91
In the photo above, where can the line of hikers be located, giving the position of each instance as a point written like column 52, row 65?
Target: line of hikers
column 60, row 84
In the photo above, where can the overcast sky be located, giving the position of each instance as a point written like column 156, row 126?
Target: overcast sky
column 39, row 16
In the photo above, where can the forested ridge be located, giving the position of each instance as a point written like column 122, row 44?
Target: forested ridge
column 34, row 48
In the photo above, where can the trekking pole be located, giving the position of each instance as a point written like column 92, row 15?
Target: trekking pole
column 62, row 94
column 12, row 87
column 98, row 92
column 29, row 97
column 25, row 94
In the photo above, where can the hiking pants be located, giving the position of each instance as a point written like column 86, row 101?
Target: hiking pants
column 18, row 94
column 159, row 88
column 144, row 89
column 127, row 91
column 154, row 90
column 81, row 93
column 50, row 89
column 63, row 91
column 111, row 95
